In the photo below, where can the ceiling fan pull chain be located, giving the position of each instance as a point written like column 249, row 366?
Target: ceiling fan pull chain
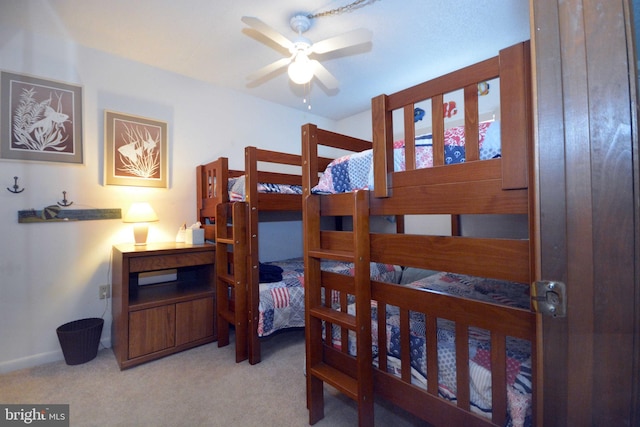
column 342, row 9
column 307, row 98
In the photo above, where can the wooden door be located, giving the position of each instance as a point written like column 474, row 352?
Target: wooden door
column 587, row 170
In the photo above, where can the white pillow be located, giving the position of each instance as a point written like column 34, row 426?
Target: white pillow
column 491, row 144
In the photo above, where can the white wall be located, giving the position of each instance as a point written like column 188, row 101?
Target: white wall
column 358, row 125
column 50, row 272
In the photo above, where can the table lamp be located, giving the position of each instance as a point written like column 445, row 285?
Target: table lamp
column 140, row 214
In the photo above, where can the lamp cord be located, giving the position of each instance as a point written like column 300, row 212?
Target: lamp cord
column 110, row 291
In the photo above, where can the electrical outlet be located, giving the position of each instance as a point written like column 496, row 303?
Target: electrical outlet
column 104, row 292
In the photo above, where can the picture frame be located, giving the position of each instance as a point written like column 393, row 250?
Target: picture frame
column 135, row 150
column 40, row 119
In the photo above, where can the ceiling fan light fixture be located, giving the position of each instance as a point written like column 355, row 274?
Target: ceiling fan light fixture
column 300, row 70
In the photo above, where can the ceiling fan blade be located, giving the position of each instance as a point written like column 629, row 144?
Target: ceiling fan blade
column 269, row 32
column 265, row 71
column 351, row 38
column 325, row 77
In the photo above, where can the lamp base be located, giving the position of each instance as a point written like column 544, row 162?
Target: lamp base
column 140, row 231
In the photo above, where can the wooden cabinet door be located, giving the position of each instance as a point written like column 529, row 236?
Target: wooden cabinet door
column 194, row 320
column 151, row 330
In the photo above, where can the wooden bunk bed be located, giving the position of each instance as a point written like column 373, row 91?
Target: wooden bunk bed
column 255, row 307
column 381, row 339
column 232, row 222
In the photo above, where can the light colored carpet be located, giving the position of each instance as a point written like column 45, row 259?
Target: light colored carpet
column 199, row 387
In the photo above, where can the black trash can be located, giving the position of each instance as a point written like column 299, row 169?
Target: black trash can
column 80, row 339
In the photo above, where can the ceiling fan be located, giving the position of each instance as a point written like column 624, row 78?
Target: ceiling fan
column 301, row 68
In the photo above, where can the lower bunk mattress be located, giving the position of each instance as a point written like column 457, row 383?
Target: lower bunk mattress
column 282, row 302
column 519, row 378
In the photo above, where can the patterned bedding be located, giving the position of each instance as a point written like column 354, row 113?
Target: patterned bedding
column 355, row 171
column 518, row 351
column 282, row 303
column 237, row 191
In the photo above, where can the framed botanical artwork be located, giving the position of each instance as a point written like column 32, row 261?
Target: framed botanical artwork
column 40, row 119
column 135, row 150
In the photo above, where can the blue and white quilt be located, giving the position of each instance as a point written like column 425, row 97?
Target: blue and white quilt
column 518, row 351
column 237, row 190
column 355, row 171
column 282, row 303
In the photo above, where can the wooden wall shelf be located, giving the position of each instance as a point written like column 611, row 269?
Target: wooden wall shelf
column 65, row 215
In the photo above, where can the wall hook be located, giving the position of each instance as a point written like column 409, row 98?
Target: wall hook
column 65, row 202
column 15, row 186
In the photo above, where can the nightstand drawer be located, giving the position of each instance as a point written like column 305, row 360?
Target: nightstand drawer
column 163, row 262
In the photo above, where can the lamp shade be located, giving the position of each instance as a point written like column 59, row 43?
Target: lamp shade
column 140, row 212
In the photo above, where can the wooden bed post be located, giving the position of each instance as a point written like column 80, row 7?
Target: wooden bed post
column 253, row 261
column 200, row 186
column 310, row 157
column 515, row 91
column 362, row 284
column 312, row 298
column 382, row 144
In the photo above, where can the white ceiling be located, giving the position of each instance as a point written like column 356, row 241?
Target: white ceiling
column 413, row 40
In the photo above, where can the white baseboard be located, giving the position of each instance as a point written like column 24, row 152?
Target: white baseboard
column 41, row 359
column 30, row 361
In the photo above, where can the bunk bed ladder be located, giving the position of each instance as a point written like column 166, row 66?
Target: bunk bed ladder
column 231, row 280
column 352, row 375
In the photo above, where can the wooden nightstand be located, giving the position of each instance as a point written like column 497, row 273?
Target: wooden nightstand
column 155, row 320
